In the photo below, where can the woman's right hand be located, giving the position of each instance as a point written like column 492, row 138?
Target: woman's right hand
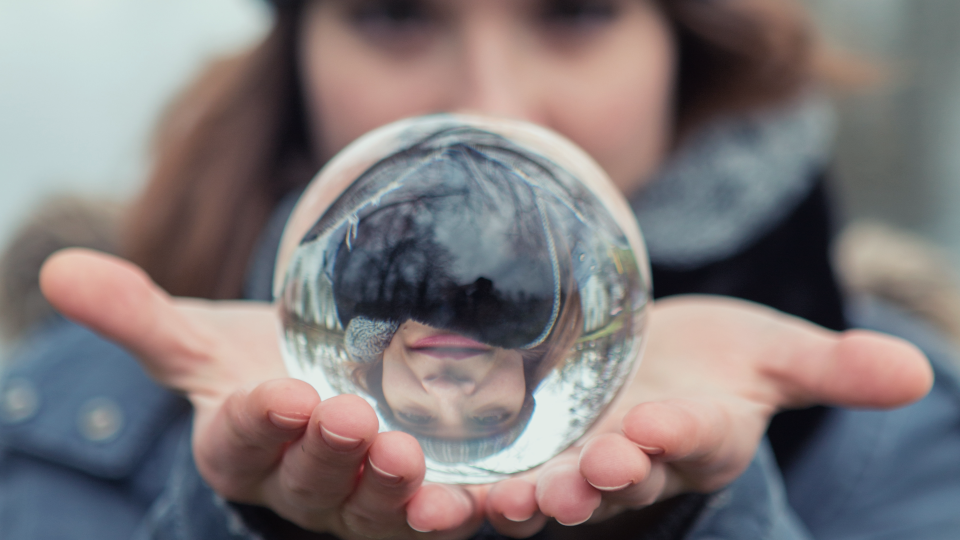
column 259, row 437
column 714, row 372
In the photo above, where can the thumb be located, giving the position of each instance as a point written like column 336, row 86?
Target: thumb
column 116, row 299
column 860, row 368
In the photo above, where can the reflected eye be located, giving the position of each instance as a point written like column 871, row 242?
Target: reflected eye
column 415, row 419
column 492, row 418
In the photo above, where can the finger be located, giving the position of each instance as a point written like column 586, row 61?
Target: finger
column 644, row 493
column 617, row 467
column 243, row 443
column 697, row 439
column 563, row 494
column 392, row 473
column 610, row 462
column 858, row 369
column 444, row 511
column 511, row 507
column 675, row 429
column 116, row 299
column 800, row 363
column 321, row 469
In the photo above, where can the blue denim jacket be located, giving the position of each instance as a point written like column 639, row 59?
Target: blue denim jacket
column 91, row 448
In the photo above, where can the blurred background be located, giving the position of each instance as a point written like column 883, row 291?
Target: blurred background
column 82, row 83
column 898, row 152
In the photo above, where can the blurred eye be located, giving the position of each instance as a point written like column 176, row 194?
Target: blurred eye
column 397, row 16
column 579, row 14
column 415, row 418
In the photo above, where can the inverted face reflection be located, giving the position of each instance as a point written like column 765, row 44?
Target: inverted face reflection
column 449, row 386
column 480, row 296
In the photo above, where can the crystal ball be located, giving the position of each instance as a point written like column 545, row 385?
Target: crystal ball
column 480, row 282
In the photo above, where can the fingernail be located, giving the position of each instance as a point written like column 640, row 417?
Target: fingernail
column 516, row 519
column 384, row 476
column 571, row 524
column 339, row 442
column 412, row 526
column 650, row 450
column 614, row 488
column 287, row 422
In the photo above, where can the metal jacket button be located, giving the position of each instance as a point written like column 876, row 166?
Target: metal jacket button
column 100, row 419
column 19, row 401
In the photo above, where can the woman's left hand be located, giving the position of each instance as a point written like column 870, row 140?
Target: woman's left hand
column 259, row 437
column 714, row 372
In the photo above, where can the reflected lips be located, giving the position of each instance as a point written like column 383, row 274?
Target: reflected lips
column 450, row 346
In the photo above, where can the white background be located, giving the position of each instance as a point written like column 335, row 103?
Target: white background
column 82, row 83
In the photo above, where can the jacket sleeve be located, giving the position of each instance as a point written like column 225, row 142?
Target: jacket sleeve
column 189, row 510
column 755, row 506
column 86, row 439
column 91, row 448
column 865, row 474
column 70, row 469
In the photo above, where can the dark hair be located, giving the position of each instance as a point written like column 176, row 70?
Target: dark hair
column 736, row 55
column 236, row 141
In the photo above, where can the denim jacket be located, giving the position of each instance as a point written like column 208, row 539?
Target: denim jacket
column 91, row 448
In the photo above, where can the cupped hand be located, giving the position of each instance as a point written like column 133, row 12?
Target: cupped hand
column 714, row 372
column 259, row 437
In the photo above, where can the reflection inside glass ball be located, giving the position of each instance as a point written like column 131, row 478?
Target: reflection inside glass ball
column 480, row 295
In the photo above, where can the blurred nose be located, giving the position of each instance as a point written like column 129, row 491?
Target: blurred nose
column 495, row 78
column 449, row 386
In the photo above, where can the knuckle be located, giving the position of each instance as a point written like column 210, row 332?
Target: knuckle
column 300, row 488
column 243, row 427
column 641, row 497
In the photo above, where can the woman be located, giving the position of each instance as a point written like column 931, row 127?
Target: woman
column 626, row 80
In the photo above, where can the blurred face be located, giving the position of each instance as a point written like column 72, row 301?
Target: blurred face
column 599, row 72
column 446, row 385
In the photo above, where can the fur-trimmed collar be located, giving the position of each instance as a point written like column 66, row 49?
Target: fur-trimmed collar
column 732, row 182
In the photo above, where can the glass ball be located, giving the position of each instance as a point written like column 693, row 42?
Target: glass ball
column 481, row 283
